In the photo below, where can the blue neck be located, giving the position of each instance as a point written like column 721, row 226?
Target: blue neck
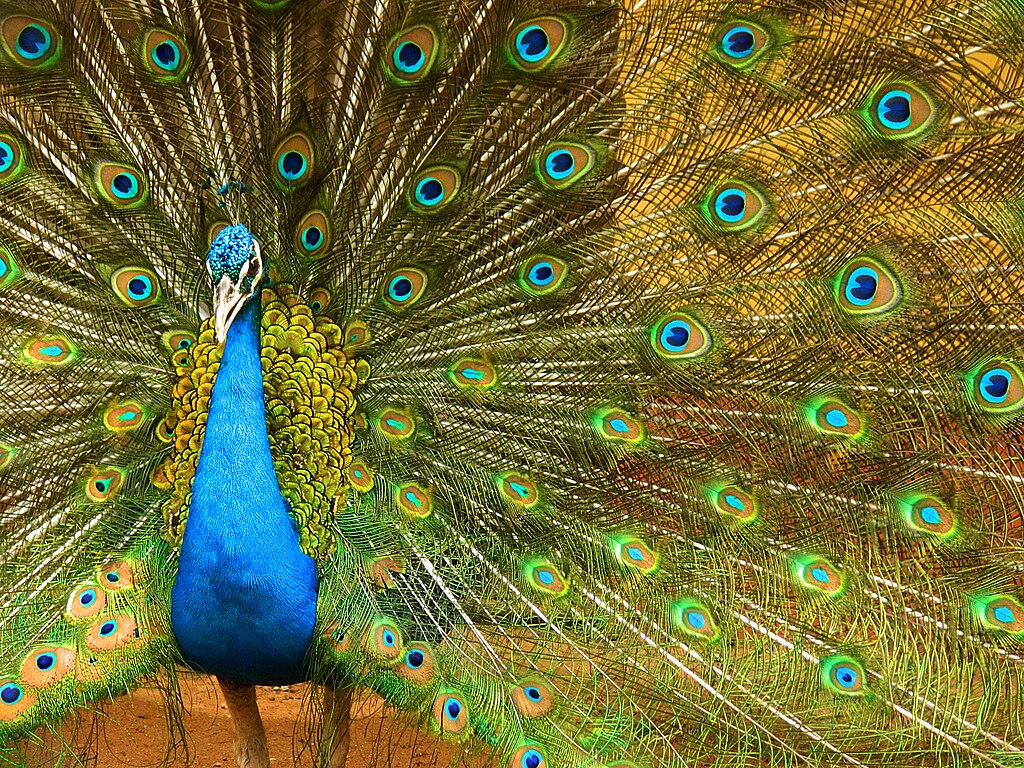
column 244, row 601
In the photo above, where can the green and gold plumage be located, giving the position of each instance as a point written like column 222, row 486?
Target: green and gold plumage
column 646, row 379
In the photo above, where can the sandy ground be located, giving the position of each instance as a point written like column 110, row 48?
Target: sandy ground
column 134, row 732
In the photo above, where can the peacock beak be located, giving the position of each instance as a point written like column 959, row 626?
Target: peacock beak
column 228, row 300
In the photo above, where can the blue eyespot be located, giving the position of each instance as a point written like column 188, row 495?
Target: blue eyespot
column 429, row 191
column 532, row 693
column 619, row 425
column 995, row 385
column 542, row 273
column 738, row 42
column 452, row 709
column 532, row 43
column 166, row 55
column 837, row 418
column 546, row 577
column 312, row 238
column 34, row 41
column 113, row 577
column 11, row 693
column 820, row 575
column 675, row 335
column 291, row 165
column 730, row 204
column 696, row 619
column 45, row 661
column 140, row 287
column 389, row 638
column 125, row 185
column 846, row 676
column 1003, row 614
column 87, row 598
column 861, row 286
column 6, row 156
column 400, row 288
column 414, row 659
column 894, row 110
column 108, row 628
column 559, row 164
column 531, row 759
column 409, row 57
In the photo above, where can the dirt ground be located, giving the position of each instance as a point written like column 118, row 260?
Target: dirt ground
column 134, row 732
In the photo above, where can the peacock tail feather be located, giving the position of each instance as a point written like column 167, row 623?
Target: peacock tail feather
column 645, row 378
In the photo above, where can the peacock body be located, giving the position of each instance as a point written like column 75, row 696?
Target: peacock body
column 600, row 383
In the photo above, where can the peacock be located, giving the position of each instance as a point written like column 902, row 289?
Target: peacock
column 599, row 383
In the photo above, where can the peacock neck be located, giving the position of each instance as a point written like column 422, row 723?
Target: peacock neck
column 244, row 600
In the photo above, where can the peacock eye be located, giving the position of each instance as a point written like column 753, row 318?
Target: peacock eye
column 998, row 387
column 164, row 54
column 563, row 164
column 404, row 287
column 435, row 188
column 678, row 336
column 313, row 234
column 411, row 54
column 533, row 45
column 528, row 757
column 836, row 418
column 135, row 286
column 121, row 185
column 736, row 504
column 900, row 111
column 10, row 161
column 518, row 489
column 541, row 274
column 30, row 42
column 735, row 206
column 695, row 620
column 866, row 286
column 292, row 161
column 843, row 675
column 741, row 43
column 50, row 351
column 473, row 374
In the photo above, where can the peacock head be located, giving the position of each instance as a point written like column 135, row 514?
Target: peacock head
column 236, row 266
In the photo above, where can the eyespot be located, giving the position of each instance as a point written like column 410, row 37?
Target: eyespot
column 865, row 286
column 545, row 578
column 292, row 161
column 417, row 666
column 104, row 484
column 404, row 287
column 563, row 164
column 384, row 642
column 1003, row 613
column 396, row 424
column 541, row 274
column 46, row 665
column 528, row 757
column 617, row 426
column 49, row 351
column 177, row 341
column 533, row 45
column 634, row 553
column 414, row 500
column 741, row 43
column 900, row 111
column 135, row 286
column 11, row 162
column 359, row 476
column 998, row 387
column 434, row 188
column 319, row 300
column 843, row 675
column 473, row 374
column 449, row 714
column 6, row 454
column 313, row 235
column 736, row 504
column 124, row 417
column 164, row 54
column 120, row 185
column 819, row 575
column 834, row 418
column 339, row 639
column 85, row 602
column 533, row 698
column 14, row 700
column 518, row 489
column 411, row 54
column 677, row 337
column 9, row 271
column 118, row 576
column 30, row 42
column 356, row 334
column 926, row 514
column 693, row 618
column 735, row 206
column 111, row 632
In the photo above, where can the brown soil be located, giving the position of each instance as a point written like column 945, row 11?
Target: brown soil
column 135, row 733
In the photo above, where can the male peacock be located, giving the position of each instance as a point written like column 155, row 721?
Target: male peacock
column 601, row 382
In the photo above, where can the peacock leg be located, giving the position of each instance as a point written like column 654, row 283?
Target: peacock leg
column 250, row 739
column 337, row 721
